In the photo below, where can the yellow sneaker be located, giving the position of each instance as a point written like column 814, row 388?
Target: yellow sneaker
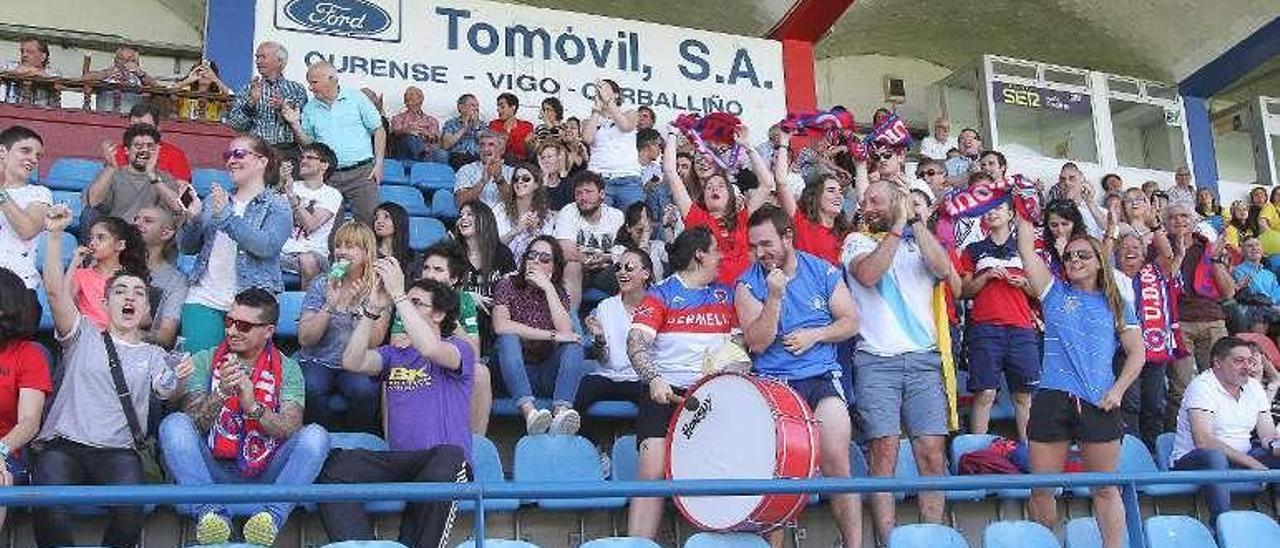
column 213, row 529
column 261, row 529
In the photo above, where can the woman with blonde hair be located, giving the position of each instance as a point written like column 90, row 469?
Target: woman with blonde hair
column 333, row 305
column 1086, row 320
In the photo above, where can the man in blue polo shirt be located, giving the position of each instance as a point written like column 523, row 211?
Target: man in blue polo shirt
column 344, row 119
column 794, row 308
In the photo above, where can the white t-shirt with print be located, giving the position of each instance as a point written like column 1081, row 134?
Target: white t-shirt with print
column 897, row 313
column 18, row 254
column 599, row 236
column 325, row 197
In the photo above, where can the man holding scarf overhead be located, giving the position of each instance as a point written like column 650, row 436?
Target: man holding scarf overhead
column 242, row 423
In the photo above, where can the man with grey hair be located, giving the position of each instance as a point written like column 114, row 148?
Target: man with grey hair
column 1183, row 190
column 256, row 109
column 343, row 118
column 484, row 178
column 461, row 136
column 935, row 145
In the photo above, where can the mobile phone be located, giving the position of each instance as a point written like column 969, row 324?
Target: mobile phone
column 187, row 197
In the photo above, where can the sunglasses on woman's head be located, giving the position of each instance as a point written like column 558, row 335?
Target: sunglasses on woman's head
column 238, row 154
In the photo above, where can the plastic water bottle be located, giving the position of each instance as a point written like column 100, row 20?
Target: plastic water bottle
column 178, row 354
column 339, row 269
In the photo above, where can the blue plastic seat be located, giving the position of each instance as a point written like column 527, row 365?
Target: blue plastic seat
column 624, row 458
column 486, row 467
column 365, row 544
column 393, row 173
column 1084, row 533
column 425, row 231
column 926, row 535
column 46, row 315
column 431, row 176
column 613, row 410
column 1135, row 458
column 75, row 202
column 499, row 543
column 363, row 440
column 203, row 180
column 620, row 542
column 72, row 174
column 443, row 206
column 964, row 444
column 290, row 311
column 1240, row 529
column 1018, row 534
column 1178, row 532
column 408, row 197
column 1164, row 450
column 725, row 540
column 547, row 458
column 906, row 467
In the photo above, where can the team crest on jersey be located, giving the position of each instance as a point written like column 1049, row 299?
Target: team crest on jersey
column 721, row 295
column 818, row 303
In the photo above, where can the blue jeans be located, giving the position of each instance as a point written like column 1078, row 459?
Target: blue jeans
column 1218, row 495
column 556, row 376
column 359, row 392
column 656, row 200
column 417, row 150
column 621, row 192
column 190, row 462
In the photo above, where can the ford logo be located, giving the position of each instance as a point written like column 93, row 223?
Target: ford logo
column 346, row 17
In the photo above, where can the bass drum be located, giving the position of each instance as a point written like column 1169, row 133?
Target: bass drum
column 742, row 427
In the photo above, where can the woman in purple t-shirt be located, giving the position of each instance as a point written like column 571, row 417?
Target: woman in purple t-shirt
column 538, row 349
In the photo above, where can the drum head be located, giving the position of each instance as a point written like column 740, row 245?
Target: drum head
column 731, row 435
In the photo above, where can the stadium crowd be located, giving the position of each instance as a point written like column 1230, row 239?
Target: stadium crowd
column 602, row 256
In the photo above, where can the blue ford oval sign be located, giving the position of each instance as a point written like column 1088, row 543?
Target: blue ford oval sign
column 342, row 17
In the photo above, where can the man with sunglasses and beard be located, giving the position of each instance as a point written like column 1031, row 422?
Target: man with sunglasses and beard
column 86, row 438
column 892, row 272
column 794, row 309
column 428, row 388
column 242, row 422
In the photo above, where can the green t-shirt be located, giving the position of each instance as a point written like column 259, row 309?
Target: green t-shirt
column 294, row 388
column 467, row 318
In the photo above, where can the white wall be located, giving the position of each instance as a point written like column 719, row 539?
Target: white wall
column 857, row 82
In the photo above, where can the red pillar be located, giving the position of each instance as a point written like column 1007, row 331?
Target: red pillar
column 799, row 71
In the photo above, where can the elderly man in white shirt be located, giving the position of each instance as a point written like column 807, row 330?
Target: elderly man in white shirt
column 1221, row 410
column 936, row 144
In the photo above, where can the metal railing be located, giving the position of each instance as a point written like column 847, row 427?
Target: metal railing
column 479, row 492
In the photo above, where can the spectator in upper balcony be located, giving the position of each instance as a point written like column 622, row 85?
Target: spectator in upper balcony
column 203, row 78
column 33, row 60
column 519, row 132
column 120, row 190
column 461, row 135
column 126, row 74
column 417, row 132
column 935, row 145
column 343, row 118
column 171, row 158
column 22, row 205
column 1183, row 190
column 256, row 109
column 488, row 177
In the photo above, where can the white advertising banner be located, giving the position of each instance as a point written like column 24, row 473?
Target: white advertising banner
column 448, row 48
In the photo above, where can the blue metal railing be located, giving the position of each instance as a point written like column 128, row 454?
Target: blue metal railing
column 478, row 492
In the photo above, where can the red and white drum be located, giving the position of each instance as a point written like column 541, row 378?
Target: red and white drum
column 743, row 427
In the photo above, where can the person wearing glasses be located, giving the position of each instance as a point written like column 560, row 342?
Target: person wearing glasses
column 608, row 325
column 86, row 438
column 935, row 145
column 316, row 206
column 539, row 353
column 238, row 236
column 523, row 214
column 122, row 189
column 242, row 422
column 794, row 309
column 1086, row 319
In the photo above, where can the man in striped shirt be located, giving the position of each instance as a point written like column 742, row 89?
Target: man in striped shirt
column 256, row 109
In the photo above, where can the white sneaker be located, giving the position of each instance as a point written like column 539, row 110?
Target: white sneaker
column 566, row 423
column 537, row 422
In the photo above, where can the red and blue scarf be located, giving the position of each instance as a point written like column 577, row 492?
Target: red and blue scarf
column 234, row 436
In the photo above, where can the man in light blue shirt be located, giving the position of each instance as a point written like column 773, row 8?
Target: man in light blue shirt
column 343, row 119
column 794, row 308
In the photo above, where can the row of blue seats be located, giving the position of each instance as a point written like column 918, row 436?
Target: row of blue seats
column 1235, row 530
column 69, row 176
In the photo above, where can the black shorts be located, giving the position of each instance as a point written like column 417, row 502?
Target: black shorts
column 1057, row 416
column 816, row 389
column 653, row 420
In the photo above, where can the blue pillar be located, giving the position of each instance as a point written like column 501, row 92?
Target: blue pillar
column 1200, row 134
column 228, row 40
